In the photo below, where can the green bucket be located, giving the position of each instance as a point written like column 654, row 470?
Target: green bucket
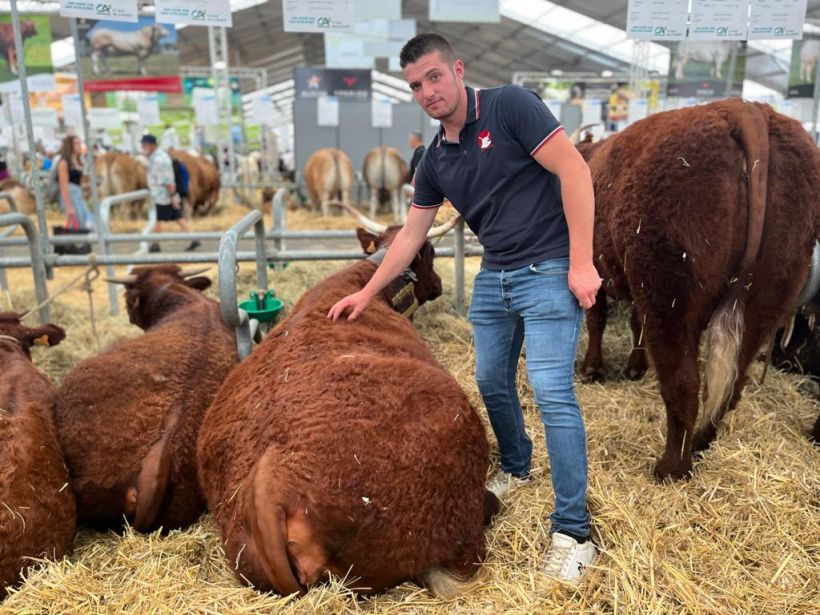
column 265, row 308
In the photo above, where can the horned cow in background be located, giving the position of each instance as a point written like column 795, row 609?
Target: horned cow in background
column 705, row 218
column 37, row 513
column 128, row 418
column 328, row 175
column 119, row 173
column 384, row 172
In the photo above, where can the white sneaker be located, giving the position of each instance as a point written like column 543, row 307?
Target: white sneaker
column 567, row 559
column 501, row 483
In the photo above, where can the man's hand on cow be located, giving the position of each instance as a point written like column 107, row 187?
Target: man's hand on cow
column 357, row 303
column 584, row 282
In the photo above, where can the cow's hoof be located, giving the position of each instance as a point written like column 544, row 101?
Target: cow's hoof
column 634, row 373
column 666, row 471
column 591, row 374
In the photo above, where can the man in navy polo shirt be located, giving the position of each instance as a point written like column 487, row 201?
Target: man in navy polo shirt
column 507, row 166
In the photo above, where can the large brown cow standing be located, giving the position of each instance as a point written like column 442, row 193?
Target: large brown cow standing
column 328, row 175
column 384, row 173
column 705, row 218
column 345, row 448
column 128, row 418
column 37, row 510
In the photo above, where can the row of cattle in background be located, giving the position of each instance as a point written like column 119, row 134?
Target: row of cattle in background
column 139, row 445
column 329, row 175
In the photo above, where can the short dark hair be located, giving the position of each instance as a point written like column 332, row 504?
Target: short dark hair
column 149, row 138
column 424, row 44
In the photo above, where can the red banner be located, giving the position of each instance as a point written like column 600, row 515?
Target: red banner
column 141, row 84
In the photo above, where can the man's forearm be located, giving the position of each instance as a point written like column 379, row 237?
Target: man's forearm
column 579, row 210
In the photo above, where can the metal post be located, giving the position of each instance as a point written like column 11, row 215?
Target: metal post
column 730, row 73
column 815, row 103
column 458, row 264
column 89, row 154
column 21, row 72
column 226, row 76
column 4, row 196
column 18, row 167
column 279, row 221
column 214, row 77
column 37, row 265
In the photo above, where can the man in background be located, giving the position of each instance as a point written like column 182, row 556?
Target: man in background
column 163, row 189
column 417, row 145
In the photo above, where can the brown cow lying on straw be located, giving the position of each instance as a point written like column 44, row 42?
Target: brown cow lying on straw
column 36, row 503
column 128, row 418
column 344, row 448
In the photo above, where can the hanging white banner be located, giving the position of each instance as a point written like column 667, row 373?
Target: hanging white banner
column 148, row 110
column 45, row 117
column 194, row 12
column 725, row 20
column 103, row 117
column 109, row 10
column 205, row 107
column 777, row 19
column 381, row 113
column 378, row 9
column 318, row 15
column 262, row 110
column 327, row 111
column 655, row 20
column 473, row 11
column 72, row 110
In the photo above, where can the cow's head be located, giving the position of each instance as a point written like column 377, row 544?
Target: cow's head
column 154, row 292
column 14, row 334
column 158, row 32
column 27, row 29
column 375, row 237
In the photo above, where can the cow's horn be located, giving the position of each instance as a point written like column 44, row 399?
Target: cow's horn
column 122, row 279
column 578, row 131
column 189, row 273
column 370, row 225
column 443, row 229
column 788, row 331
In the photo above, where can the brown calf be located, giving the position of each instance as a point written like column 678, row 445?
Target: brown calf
column 36, row 502
column 128, row 418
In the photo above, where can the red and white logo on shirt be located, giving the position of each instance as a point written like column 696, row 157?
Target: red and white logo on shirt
column 485, row 141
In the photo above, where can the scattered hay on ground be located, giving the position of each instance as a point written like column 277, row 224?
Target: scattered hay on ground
column 741, row 536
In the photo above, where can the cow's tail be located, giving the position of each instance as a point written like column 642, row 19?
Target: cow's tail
column 337, row 167
column 448, row 585
column 750, row 128
column 268, row 524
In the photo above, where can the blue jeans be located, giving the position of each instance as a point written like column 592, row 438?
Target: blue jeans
column 84, row 217
column 534, row 303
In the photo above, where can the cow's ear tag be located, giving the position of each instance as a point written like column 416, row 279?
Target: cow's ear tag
column 371, row 249
column 41, row 341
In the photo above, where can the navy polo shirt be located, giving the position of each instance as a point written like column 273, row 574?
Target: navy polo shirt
column 511, row 202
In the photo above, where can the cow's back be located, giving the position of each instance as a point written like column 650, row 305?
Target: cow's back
column 113, row 407
column 357, row 424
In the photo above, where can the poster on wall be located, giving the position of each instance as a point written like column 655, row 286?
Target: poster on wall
column 111, row 10
column 35, row 31
column 104, row 118
column 206, row 110
column 327, row 111
column 381, row 113
column 194, row 12
column 347, row 85
column 473, row 11
column 657, row 20
column 719, row 20
column 142, row 56
column 803, row 66
column 703, row 69
column 777, row 19
column 262, row 110
column 189, row 83
column 318, row 15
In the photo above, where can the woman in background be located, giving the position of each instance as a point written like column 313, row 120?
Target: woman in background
column 69, row 177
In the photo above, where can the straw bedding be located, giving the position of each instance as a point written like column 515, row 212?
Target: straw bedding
column 742, row 536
